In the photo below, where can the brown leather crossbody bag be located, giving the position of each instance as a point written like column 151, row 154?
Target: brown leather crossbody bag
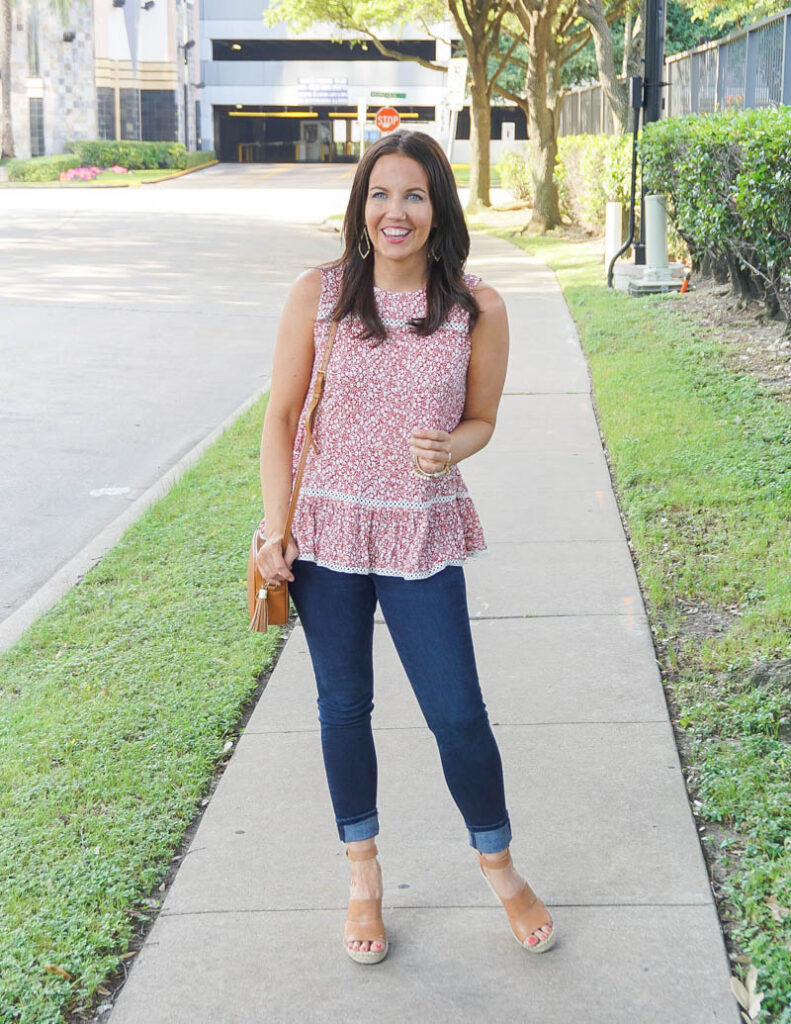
column 267, row 603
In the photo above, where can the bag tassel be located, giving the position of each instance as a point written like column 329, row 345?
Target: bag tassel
column 260, row 620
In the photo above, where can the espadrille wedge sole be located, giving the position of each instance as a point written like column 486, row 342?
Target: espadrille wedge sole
column 364, row 921
column 526, row 912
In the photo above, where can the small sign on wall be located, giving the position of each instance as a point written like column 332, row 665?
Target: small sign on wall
column 508, row 131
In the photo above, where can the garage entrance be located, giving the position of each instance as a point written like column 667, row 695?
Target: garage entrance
column 259, row 134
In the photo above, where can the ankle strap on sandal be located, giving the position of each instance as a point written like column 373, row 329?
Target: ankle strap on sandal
column 368, row 854
column 500, row 860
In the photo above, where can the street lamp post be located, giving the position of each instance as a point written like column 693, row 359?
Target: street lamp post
column 652, row 91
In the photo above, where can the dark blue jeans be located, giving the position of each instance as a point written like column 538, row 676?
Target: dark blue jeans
column 429, row 623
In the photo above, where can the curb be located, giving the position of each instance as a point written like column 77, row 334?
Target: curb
column 12, row 628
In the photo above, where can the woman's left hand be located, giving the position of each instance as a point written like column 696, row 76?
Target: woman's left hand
column 432, row 448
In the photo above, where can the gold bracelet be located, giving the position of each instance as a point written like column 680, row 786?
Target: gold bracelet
column 429, row 476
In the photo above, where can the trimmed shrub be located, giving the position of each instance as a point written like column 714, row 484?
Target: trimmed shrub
column 727, row 177
column 200, row 157
column 515, row 174
column 137, row 156
column 41, row 168
column 591, row 171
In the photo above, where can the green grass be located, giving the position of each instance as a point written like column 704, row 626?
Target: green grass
column 115, row 710
column 104, row 179
column 462, row 175
column 702, row 464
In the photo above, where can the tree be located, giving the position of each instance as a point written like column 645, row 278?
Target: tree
column 722, row 14
column 613, row 88
column 478, row 23
column 554, row 35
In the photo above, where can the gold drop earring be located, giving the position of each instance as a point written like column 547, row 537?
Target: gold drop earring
column 367, row 240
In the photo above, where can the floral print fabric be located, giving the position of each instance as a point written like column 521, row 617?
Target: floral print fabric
column 361, row 507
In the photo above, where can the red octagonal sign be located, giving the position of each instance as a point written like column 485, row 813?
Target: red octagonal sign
column 387, row 119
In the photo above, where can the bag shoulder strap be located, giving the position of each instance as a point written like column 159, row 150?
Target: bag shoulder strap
column 315, row 398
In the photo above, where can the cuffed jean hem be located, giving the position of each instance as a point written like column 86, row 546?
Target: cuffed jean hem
column 491, row 840
column 353, row 832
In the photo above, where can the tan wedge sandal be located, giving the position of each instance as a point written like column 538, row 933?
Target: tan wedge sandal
column 526, row 912
column 364, row 920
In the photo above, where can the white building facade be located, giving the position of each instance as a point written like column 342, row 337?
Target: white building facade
column 114, row 69
column 270, row 94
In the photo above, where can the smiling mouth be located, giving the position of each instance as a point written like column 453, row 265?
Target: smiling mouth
column 395, row 232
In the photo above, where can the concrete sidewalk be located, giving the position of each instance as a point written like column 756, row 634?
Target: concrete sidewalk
column 250, row 930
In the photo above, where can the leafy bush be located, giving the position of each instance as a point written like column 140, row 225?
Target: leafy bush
column 41, row 168
column 137, row 156
column 515, row 174
column 201, row 157
column 728, row 180
column 591, row 171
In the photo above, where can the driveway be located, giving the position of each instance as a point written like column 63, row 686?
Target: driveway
column 134, row 321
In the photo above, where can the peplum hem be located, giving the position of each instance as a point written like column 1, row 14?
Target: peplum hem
column 388, row 541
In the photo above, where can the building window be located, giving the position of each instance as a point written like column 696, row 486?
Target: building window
column 36, row 127
column 159, row 121
column 198, row 139
column 106, row 112
column 130, row 113
column 33, row 62
column 318, row 49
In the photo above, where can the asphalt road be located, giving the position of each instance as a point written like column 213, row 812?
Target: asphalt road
column 132, row 323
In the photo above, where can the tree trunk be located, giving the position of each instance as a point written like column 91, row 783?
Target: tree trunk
column 632, row 45
column 541, row 129
column 480, row 135
column 616, row 92
column 6, row 27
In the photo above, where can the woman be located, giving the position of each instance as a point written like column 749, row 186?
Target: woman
column 415, row 377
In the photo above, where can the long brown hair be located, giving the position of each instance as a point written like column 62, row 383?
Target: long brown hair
column 449, row 240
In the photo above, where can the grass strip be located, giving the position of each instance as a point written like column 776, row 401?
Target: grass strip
column 461, row 173
column 702, row 463
column 115, row 711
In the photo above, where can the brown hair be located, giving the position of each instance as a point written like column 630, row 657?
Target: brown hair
column 449, row 240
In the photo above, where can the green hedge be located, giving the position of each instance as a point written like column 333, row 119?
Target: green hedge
column 728, row 181
column 201, row 157
column 137, row 156
column 515, row 174
column 40, row 168
column 591, row 171
column 133, row 155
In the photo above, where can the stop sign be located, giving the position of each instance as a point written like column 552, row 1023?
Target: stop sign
column 387, row 119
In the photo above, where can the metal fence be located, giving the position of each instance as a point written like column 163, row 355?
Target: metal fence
column 751, row 68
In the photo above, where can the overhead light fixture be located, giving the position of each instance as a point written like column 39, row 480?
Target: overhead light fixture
column 238, row 106
column 236, row 46
column 273, row 113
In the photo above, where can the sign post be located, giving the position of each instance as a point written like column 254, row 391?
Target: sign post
column 362, row 115
column 457, row 86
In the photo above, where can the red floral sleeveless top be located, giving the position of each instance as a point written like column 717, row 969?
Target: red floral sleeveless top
column 361, row 507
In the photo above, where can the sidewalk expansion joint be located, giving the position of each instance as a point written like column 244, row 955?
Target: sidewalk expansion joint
column 506, row 725
column 340, row 908
column 553, row 615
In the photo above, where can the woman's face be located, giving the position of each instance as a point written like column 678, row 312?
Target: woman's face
column 398, row 211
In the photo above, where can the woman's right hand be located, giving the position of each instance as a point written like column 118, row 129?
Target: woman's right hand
column 274, row 566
